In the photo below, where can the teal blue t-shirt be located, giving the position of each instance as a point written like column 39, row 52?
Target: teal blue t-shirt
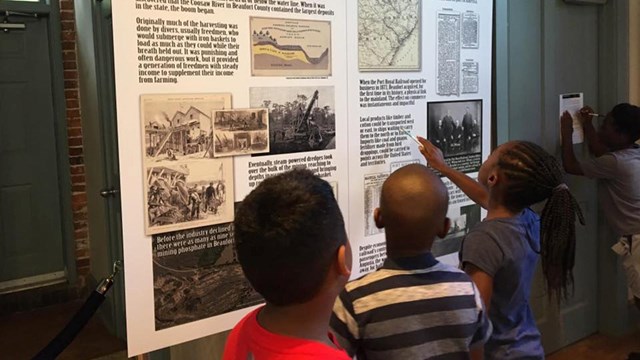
column 507, row 250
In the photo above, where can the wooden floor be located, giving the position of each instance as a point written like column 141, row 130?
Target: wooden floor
column 23, row 335
column 600, row 347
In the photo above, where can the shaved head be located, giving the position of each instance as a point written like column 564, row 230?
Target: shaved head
column 413, row 207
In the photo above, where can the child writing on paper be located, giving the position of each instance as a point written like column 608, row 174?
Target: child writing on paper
column 500, row 253
column 293, row 249
column 616, row 165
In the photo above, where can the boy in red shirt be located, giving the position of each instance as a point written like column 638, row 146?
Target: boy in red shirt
column 293, row 249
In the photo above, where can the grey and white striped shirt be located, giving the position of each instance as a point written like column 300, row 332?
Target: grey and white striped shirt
column 411, row 308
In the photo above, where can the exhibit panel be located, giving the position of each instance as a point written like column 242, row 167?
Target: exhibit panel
column 215, row 96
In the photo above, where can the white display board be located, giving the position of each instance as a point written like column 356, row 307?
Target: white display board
column 214, row 96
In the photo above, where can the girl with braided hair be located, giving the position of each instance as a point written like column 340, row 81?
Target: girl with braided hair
column 500, row 253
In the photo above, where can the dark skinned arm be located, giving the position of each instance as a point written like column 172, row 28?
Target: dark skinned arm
column 596, row 147
column 473, row 189
column 484, row 283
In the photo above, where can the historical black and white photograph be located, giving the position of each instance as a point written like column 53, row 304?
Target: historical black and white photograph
column 187, row 195
column 462, row 221
column 455, row 127
column 196, row 275
column 372, row 188
column 241, row 132
column 300, row 118
column 179, row 126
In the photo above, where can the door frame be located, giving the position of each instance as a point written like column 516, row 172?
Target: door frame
column 114, row 313
column 51, row 11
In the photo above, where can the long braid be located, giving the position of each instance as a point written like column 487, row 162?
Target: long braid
column 534, row 175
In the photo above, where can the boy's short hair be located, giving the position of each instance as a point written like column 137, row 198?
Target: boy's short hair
column 287, row 233
column 626, row 118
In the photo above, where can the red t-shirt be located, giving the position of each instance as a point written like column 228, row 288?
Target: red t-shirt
column 250, row 341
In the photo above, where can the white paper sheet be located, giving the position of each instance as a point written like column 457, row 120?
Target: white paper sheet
column 573, row 103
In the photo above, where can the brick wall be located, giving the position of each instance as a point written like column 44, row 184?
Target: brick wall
column 74, row 133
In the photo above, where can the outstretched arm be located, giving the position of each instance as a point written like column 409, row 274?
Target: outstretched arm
column 473, row 189
column 569, row 161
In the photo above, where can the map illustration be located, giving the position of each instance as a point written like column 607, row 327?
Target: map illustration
column 287, row 47
column 389, row 35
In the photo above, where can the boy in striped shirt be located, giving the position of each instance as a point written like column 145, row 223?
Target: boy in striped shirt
column 414, row 307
